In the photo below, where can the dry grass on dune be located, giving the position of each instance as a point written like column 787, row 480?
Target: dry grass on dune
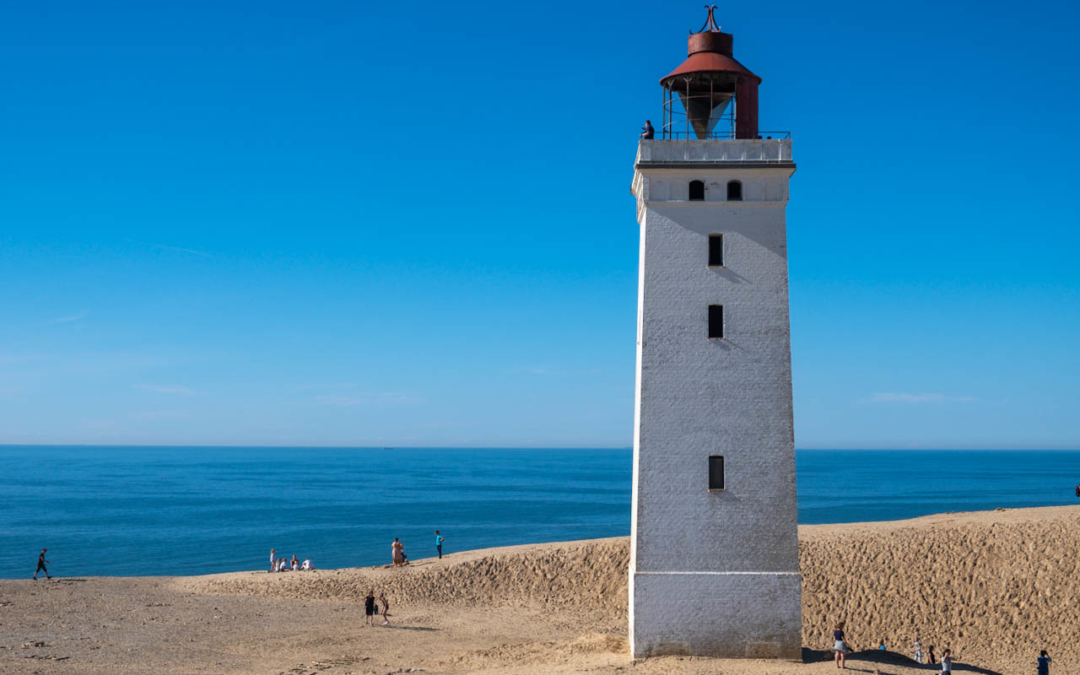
column 995, row 586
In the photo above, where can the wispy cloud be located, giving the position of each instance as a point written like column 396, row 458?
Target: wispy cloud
column 177, row 389
column 159, row 415
column 181, row 249
column 79, row 316
column 380, row 398
column 893, row 397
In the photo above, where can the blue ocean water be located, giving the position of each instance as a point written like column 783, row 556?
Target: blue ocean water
column 157, row 511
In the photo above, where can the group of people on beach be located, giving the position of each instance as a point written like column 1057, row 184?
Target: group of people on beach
column 284, row 565
column 841, row 648
column 371, row 608
column 397, row 550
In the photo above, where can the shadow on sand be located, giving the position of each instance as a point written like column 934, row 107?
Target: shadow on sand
column 420, row 628
column 869, row 660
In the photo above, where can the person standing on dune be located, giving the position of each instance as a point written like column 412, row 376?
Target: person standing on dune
column 438, row 543
column 397, row 552
column 273, row 560
column 385, row 609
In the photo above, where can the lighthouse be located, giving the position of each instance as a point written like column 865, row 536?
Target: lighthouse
column 714, row 562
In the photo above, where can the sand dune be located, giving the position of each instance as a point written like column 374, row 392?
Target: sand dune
column 995, row 586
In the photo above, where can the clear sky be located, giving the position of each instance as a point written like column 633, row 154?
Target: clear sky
column 360, row 223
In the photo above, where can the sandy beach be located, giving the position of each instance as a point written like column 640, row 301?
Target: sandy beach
column 995, row 586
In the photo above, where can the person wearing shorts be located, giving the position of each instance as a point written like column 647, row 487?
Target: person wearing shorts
column 370, row 608
column 840, row 647
column 41, row 565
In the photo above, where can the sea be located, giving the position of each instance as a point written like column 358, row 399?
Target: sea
column 148, row 511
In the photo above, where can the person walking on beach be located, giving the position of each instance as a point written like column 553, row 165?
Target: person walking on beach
column 370, row 609
column 930, row 658
column 840, row 646
column 917, row 651
column 385, row 608
column 41, row 565
column 1044, row 663
column 273, row 560
column 438, row 543
column 397, row 552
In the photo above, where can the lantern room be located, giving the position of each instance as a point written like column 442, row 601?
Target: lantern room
column 711, row 95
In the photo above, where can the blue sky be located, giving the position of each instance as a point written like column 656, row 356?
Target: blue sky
column 348, row 223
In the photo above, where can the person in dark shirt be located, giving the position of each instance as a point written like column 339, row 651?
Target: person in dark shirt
column 840, row 646
column 1044, row 663
column 370, row 608
column 41, row 565
column 647, row 131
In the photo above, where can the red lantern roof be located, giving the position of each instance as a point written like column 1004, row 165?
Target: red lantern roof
column 709, row 51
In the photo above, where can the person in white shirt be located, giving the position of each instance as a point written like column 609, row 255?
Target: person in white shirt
column 295, row 564
column 273, row 560
column 306, row 565
column 946, row 661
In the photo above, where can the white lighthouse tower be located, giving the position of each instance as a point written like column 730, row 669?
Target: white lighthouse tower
column 714, row 566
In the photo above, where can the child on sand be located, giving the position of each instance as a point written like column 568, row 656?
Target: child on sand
column 840, row 646
column 385, row 608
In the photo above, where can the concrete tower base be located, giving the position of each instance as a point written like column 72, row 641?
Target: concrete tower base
column 755, row 615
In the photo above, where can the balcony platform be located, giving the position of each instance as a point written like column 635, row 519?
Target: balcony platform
column 693, row 153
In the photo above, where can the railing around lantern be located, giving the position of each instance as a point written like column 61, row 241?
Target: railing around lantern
column 720, row 135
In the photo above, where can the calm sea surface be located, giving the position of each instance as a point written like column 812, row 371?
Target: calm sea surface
column 154, row 511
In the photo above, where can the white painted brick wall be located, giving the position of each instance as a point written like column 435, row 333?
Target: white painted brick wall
column 729, row 559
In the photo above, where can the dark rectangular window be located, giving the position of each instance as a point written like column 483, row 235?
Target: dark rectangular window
column 716, row 321
column 716, row 250
column 716, row 472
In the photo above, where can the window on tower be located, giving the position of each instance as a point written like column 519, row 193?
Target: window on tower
column 697, row 191
column 716, row 472
column 716, row 322
column 716, row 250
column 734, row 191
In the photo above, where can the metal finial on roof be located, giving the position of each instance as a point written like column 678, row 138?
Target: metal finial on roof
column 710, row 22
